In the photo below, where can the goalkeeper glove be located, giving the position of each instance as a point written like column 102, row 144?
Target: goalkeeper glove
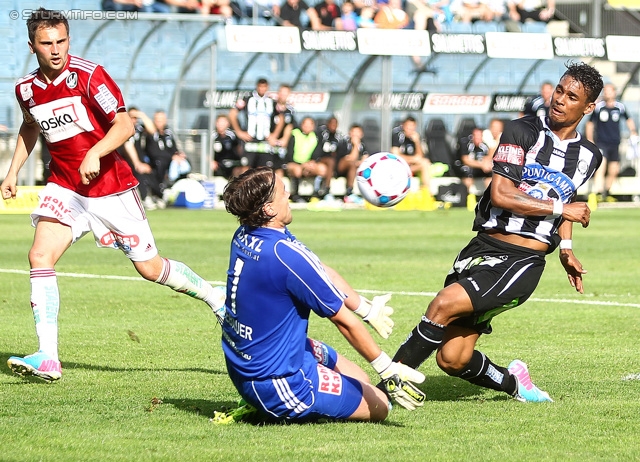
column 376, row 313
column 396, row 382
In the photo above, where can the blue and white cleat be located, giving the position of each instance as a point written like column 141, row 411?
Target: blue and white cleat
column 38, row 365
column 527, row 391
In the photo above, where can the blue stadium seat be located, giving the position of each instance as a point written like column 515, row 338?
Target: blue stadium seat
column 457, row 27
column 481, row 27
column 536, row 27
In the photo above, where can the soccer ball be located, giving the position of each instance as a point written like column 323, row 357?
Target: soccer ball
column 384, row 179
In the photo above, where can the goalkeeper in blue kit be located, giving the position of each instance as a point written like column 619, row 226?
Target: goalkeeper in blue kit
column 273, row 284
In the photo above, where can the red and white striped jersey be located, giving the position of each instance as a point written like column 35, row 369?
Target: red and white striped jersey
column 74, row 112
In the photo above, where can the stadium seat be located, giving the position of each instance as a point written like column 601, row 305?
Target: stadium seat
column 536, row 27
column 457, row 27
column 480, row 27
column 371, row 129
column 439, row 144
column 465, row 127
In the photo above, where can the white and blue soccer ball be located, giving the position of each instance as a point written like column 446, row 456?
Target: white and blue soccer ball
column 384, row 179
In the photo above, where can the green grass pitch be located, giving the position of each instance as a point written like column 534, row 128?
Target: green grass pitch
column 143, row 370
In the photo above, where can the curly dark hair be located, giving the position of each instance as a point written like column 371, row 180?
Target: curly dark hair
column 45, row 18
column 245, row 196
column 588, row 76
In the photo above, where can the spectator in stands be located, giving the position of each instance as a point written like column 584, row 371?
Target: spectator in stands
column 430, row 15
column 491, row 135
column 406, row 143
column 181, row 6
column 391, row 16
column 476, row 159
column 161, row 146
column 143, row 6
column 329, row 139
column 282, row 122
column 535, row 10
column 302, row 158
column 539, row 106
column 221, row 7
column 146, row 6
column 365, row 18
column 500, row 12
column 328, row 11
column 351, row 152
column 603, row 129
column 263, row 9
column 259, row 139
column 348, row 19
column 290, row 14
column 468, row 11
column 227, row 160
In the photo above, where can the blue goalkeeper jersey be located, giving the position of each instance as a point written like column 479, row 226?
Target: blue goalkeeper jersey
column 273, row 283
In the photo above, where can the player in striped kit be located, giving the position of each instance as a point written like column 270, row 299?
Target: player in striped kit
column 79, row 109
column 527, row 211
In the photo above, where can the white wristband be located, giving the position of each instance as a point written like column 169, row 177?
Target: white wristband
column 566, row 244
column 558, row 208
column 363, row 308
column 381, row 363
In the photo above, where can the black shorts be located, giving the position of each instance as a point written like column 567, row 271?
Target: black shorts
column 497, row 276
column 259, row 154
column 611, row 153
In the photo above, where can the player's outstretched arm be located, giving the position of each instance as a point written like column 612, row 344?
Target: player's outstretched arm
column 374, row 312
column 396, row 377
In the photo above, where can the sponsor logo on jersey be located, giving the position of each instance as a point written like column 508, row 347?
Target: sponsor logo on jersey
column 510, row 153
column 545, row 181
column 558, row 152
column 72, row 80
column 329, row 381
column 62, row 119
column 320, row 352
column 106, row 100
column 120, row 241
column 26, row 91
column 55, row 205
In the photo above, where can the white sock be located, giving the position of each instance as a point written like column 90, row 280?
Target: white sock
column 183, row 279
column 45, row 302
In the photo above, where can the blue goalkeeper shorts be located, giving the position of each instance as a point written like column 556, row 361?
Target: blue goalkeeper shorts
column 314, row 392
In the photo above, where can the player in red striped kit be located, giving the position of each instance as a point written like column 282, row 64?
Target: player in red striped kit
column 80, row 111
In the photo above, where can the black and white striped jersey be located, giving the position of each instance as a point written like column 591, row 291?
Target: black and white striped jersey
column 541, row 165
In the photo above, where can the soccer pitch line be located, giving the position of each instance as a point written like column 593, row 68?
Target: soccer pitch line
column 364, row 291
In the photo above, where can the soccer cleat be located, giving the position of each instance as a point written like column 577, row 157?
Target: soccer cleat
column 527, row 392
column 244, row 412
column 38, row 365
column 353, row 199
